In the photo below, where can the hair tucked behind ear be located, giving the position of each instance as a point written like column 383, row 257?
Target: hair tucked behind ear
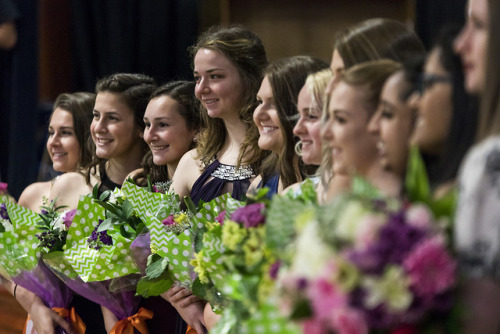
column 134, row 90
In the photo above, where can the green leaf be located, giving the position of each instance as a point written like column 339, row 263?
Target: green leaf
column 148, row 287
column 95, row 192
column 104, row 195
column 105, row 225
column 301, row 310
column 127, row 209
column 157, row 266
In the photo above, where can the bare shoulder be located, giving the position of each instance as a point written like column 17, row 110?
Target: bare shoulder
column 32, row 195
column 187, row 172
column 293, row 188
column 68, row 188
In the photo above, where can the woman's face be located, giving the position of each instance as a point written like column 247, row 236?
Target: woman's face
column 113, row 127
column 166, row 131
column 435, row 106
column 308, row 127
column 266, row 118
column 471, row 44
column 393, row 124
column 62, row 144
column 219, row 85
column 345, row 132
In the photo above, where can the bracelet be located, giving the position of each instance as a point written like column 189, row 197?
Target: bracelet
column 15, row 288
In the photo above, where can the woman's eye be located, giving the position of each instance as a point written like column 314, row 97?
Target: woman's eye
column 197, row 78
column 147, row 125
column 386, row 114
column 215, row 76
column 164, row 125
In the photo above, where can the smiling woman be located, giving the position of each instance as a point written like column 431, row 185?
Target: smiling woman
column 275, row 119
column 68, row 132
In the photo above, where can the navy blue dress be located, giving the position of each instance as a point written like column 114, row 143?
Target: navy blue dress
column 271, row 183
column 211, row 182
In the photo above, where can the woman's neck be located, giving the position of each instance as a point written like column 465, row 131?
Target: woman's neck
column 236, row 131
column 118, row 169
column 389, row 183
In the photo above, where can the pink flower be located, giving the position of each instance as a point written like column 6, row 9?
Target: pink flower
column 313, row 326
column 368, row 231
column 220, row 217
column 68, row 218
column 430, row 268
column 346, row 320
column 405, row 329
column 3, row 188
column 250, row 215
column 325, row 297
column 418, row 215
column 169, row 221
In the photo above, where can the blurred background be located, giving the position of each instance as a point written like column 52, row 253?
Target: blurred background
column 66, row 45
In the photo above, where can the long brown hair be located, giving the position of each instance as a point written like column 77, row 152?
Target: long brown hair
column 245, row 50
column 286, row 77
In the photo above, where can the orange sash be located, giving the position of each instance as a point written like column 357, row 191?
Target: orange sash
column 138, row 320
column 190, row 330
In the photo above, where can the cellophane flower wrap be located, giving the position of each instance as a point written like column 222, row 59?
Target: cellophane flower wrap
column 96, row 260
column 364, row 264
column 36, row 235
column 233, row 267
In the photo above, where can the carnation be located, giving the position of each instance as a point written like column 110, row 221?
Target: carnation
column 419, row 216
column 431, row 269
column 220, row 217
column 250, row 215
column 325, row 297
column 3, row 188
column 346, row 320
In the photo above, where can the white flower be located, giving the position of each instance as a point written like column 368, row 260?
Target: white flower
column 58, row 223
column 350, row 220
column 115, row 195
column 7, row 225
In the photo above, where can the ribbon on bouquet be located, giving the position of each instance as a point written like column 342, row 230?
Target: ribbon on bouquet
column 76, row 322
column 138, row 321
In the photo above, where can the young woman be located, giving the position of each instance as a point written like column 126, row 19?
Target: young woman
column 228, row 69
column 447, row 117
column 228, row 65
column 117, row 149
column 368, row 40
column 476, row 221
column 68, row 132
column 393, row 123
column 172, row 122
column 277, row 98
column 351, row 105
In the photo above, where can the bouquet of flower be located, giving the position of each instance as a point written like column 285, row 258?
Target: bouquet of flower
column 4, row 194
column 33, row 236
column 96, row 260
column 175, row 236
column 233, row 268
column 364, row 264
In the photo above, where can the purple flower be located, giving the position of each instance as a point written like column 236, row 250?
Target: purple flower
column 273, row 271
column 68, row 217
column 97, row 239
column 169, row 221
column 3, row 211
column 250, row 215
column 220, row 217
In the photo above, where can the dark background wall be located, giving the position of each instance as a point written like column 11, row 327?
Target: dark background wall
column 66, row 45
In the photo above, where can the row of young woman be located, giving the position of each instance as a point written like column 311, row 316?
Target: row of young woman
column 368, row 117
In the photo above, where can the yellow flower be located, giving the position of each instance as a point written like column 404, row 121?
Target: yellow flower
column 233, row 235
column 154, row 249
column 391, row 289
column 199, row 267
column 181, row 218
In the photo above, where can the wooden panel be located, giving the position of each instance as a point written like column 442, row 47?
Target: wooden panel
column 292, row 27
column 12, row 315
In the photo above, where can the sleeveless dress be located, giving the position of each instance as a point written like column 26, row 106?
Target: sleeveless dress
column 207, row 189
column 271, row 183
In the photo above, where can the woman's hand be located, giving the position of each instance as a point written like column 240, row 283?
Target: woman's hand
column 188, row 305
column 45, row 320
column 109, row 319
column 210, row 317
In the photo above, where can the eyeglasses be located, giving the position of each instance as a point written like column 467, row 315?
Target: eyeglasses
column 426, row 80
